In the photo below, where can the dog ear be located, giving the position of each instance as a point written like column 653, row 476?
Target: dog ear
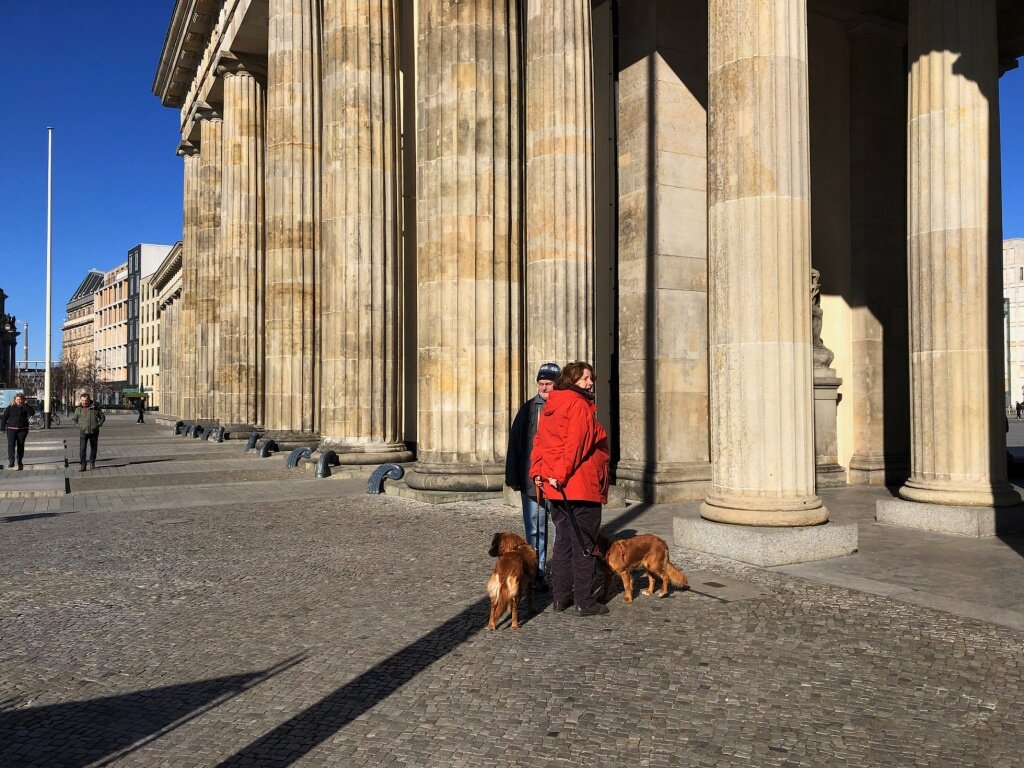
column 495, row 549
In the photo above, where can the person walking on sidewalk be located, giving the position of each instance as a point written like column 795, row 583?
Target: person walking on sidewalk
column 89, row 419
column 140, row 406
column 517, row 467
column 570, row 453
column 14, row 423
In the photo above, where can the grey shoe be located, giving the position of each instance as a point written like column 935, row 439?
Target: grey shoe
column 92, row 465
column 592, row 610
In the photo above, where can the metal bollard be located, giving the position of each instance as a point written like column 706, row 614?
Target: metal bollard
column 324, row 464
column 218, row 435
column 382, row 473
column 298, row 453
column 178, row 427
column 265, row 448
column 253, row 438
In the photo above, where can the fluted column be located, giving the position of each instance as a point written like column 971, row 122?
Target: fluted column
column 360, row 257
column 958, row 441
column 189, row 284
column 208, row 286
column 468, row 257
column 762, row 432
column 559, row 183
column 292, row 210
column 240, row 256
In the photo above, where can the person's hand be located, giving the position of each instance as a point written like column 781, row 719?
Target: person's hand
column 554, row 483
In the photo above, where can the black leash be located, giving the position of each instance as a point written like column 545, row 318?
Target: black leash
column 587, row 551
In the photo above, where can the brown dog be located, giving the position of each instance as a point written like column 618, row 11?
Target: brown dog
column 648, row 552
column 512, row 576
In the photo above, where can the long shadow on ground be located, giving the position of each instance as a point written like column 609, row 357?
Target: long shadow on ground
column 81, row 733
column 314, row 725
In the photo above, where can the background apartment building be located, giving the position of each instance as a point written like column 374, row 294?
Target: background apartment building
column 1013, row 319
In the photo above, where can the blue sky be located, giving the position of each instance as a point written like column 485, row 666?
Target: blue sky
column 87, row 69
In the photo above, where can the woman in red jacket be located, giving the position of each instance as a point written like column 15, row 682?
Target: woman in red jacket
column 570, row 456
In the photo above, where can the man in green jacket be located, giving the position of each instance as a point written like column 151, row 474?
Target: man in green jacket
column 89, row 419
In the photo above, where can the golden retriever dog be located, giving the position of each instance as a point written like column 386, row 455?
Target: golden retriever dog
column 512, row 577
column 648, row 552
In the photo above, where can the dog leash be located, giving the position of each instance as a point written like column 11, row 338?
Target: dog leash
column 587, row 551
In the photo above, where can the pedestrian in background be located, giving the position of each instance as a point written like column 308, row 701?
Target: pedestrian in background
column 89, row 419
column 517, row 467
column 570, row 453
column 140, row 406
column 14, row 423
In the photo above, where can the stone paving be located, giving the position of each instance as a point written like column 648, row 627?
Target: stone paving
column 279, row 629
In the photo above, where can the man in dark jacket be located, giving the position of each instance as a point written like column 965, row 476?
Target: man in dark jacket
column 140, row 407
column 517, row 465
column 14, row 423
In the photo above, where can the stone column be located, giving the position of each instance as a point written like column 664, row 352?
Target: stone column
column 762, row 431
column 292, row 205
column 186, row 365
column 208, row 285
column 469, row 255
column 958, row 439
column 878, row 390
column 240, row 257
column 361, row 255
column 559, row 183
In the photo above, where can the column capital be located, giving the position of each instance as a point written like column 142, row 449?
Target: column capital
column 868, row 25
column 205, row 112
column 187, row 148
column 234, row 64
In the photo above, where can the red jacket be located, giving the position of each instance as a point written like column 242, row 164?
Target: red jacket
column 572, row 447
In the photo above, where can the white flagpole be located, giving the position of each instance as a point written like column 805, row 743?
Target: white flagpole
column 49, row 240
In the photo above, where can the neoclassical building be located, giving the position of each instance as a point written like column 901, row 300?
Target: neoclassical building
column 395, row 210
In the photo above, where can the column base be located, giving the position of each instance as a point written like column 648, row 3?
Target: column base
column 960, row 520
column 663, row 482
column 367, row 453
column 766, row 547
column 287, row 440
column 949, row 494
column 166, row 419
column 457, row 478
column 879, row 469
column 830, row 476
column 764, row 513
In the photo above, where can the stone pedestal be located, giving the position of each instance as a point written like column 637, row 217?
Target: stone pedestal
column 958, row 440
column 469, row 257
column 762, row 431
column 766, row 547
column 828, row 473
column 976, row 521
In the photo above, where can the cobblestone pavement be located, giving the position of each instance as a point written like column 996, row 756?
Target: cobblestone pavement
column 350, row 631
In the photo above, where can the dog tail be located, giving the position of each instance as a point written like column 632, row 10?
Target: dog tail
column 677, row 577
column 494, row 587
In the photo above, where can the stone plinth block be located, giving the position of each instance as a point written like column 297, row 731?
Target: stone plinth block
column 958, row 520
column 766, row 547
column 437, row 497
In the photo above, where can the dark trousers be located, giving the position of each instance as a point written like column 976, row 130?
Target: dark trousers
column 16, row 446
column 88, row 440
column 572, row 572
column 140, row 421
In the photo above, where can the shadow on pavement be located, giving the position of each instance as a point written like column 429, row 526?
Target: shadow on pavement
column 301, row 734
column 34, row 516
column 98, row 731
